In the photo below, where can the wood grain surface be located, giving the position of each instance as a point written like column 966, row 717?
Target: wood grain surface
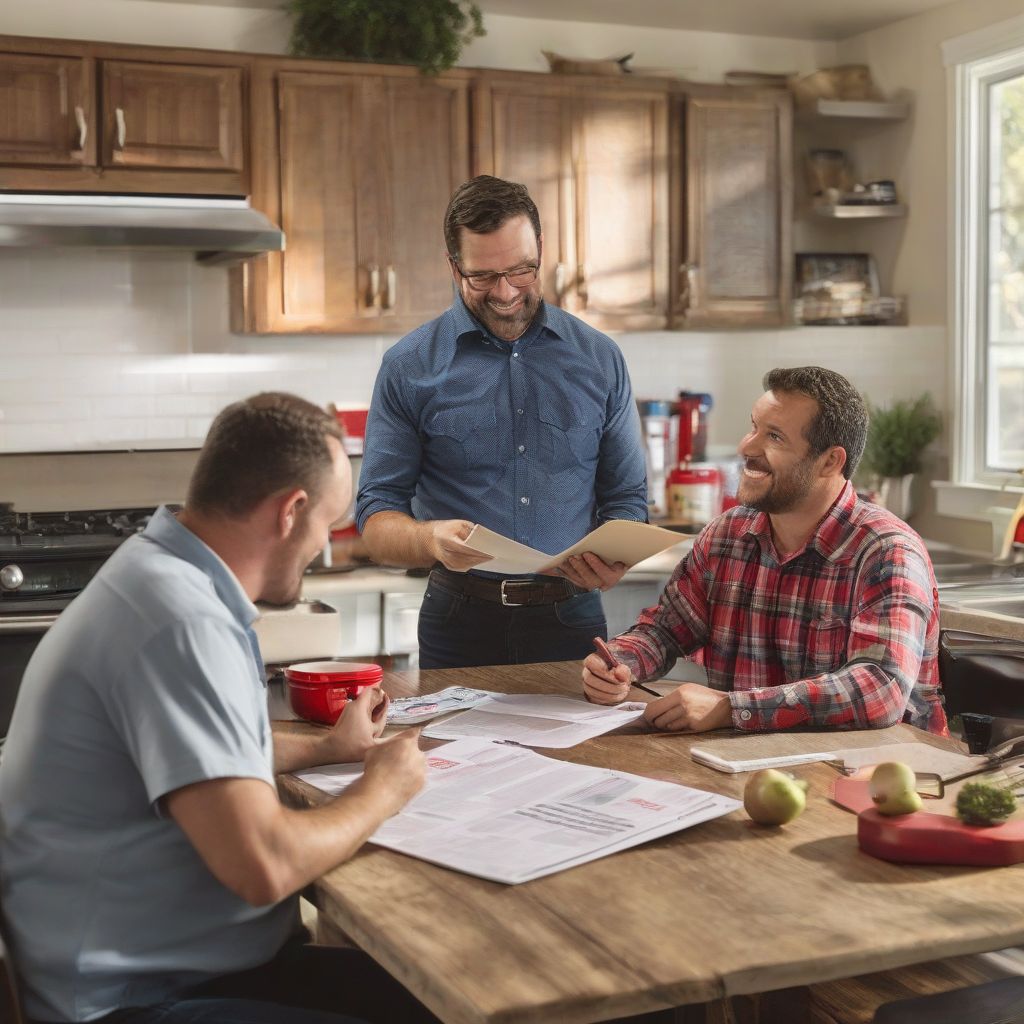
column 721, row 909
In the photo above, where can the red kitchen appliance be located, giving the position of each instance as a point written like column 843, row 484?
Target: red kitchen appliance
column 319, row 690
column 694, row 407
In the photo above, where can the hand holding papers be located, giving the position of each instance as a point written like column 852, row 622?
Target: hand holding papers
column 511, row 815
column 535, row 721
column 616, row 541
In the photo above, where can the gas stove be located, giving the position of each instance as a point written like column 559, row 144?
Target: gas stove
column 46, row 558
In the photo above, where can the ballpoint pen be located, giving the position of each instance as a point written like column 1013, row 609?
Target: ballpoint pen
column 612, row 662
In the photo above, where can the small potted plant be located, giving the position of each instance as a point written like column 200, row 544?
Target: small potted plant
column 897, row 438
column 427, row 33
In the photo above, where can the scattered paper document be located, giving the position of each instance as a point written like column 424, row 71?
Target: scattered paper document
column 535, row 721
column 423, row 707
column 510, row 815
column 617, row 541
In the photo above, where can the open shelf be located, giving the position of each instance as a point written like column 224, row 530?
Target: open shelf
column 851, row 211
column 864, row 110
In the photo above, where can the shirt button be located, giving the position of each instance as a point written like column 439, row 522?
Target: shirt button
column 522, row 448
column 745, row 715
column 515, row 355
column 525, row 501
column 519, row 412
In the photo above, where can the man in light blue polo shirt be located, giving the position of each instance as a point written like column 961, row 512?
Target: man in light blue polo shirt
column 147, row 864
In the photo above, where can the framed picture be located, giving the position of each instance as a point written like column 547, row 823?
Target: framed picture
column 840, row 288
column 836, row 275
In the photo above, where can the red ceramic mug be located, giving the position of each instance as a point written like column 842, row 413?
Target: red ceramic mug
column 319, row 690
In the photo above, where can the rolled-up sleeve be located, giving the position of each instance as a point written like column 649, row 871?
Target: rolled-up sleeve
column 393, row 455
column 892, row 608
column 620, row 487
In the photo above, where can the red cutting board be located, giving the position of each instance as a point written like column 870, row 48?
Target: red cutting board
column 926, row 838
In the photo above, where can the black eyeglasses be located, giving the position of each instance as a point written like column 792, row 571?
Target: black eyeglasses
column 522, row 277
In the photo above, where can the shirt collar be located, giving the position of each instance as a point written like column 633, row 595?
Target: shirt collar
column 467, row 325
column 831, row 533
column 165, row 530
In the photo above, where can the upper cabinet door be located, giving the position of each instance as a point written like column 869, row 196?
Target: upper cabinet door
column 47, row 116
column 524, row 134
column 622, row 202
column 423, row 154
column 736, row 269
column 172, row 116
column 330, row 276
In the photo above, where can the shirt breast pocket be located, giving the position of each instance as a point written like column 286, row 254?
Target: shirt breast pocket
column 826, row 645
column 459, row 439
column 570, row 438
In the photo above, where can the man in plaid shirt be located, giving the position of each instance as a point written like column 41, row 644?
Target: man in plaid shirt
column 808, row 606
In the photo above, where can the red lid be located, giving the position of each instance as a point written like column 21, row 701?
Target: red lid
column 334, row 672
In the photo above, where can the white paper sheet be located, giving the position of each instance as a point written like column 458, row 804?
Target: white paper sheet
column 535, row 721
column 615, row 541
column 510, row 815
column 424, row 707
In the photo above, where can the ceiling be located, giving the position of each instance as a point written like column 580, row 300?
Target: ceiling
column 787, row 19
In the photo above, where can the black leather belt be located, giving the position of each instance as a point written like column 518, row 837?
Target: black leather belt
column 510, row 593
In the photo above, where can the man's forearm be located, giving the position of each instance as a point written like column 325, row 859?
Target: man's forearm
column 393, row 538
column 295, row 746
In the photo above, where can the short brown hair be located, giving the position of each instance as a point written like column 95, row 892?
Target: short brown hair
column 842, row 419
column 258, row 447
column 482, row 205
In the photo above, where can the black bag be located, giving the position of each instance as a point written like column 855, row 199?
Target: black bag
column 981, row 674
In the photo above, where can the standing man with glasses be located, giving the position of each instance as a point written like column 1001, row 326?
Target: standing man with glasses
column 508, row 412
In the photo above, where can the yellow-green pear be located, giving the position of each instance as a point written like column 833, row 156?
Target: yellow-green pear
column 893, row 789
column 772, row 797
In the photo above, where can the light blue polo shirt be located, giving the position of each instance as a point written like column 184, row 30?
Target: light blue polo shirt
column 149, row 681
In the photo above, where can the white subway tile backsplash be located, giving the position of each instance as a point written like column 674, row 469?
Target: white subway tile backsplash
column 100, row 349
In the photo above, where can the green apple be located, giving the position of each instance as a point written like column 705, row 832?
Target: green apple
column 893, row 789
column 772, row 797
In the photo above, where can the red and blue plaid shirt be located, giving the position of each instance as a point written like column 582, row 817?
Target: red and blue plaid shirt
column 842, row 633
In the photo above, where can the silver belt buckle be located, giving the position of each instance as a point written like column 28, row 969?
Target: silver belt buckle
column 504, row 597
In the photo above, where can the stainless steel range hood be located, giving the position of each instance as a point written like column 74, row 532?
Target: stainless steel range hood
column 217, row 230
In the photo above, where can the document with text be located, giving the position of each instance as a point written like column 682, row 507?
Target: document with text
column 616, row 541
column 535, row 721
column 510, row 815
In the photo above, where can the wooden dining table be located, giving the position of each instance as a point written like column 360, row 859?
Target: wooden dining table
column 721, row 909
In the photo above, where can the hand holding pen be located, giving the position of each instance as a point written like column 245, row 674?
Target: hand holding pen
column 605, row 679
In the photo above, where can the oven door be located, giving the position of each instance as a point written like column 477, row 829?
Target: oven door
column 19, row 635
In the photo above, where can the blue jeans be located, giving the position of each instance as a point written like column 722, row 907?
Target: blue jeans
column 303, row 984
column 459, row 631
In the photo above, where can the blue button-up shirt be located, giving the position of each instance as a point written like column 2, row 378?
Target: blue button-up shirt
column 538, row 439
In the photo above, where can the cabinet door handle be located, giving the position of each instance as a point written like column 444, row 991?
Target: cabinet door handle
column 581, row 281
column 83, row 127
column 122, row 130
column 560, row 271
column 373, row 295
column 391, row 293
column 688, row 275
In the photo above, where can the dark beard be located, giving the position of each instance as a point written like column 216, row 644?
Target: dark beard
column 783, row 496
column 509, row 328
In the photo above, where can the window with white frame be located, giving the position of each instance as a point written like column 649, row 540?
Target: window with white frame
column 989, row 255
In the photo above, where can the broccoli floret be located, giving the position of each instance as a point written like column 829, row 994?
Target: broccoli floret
column 979, row 803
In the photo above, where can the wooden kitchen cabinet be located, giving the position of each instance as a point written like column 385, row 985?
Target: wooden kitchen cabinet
column 47, row 113
column 734, row 252
column 172, row 116
column 95, row 117
column 595, row 159
column 357, row 169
